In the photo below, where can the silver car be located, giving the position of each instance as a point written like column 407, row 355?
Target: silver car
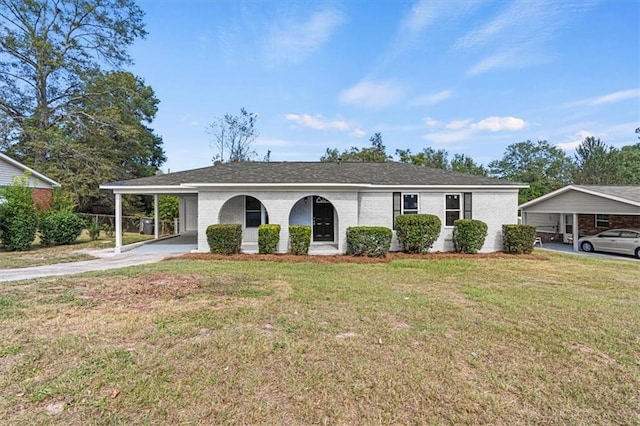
column 621, row 241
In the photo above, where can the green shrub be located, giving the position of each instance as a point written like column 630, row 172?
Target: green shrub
column 518, row 239
column 469, row 235
column 94, row 229
column 18, row 219
column 417, row 232
column 168, row 207
column 268, row 238
column 299, row 238
column 224, row 238
column 60, row 227
column 371, row 241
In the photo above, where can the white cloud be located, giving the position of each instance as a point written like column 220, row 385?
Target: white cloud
column 521, row 33
column 509, row 58
column 615, row 97
column 609, row 98
column 574, row 141
column 443, row 138
column 498, row 124
column 430, row 122
column 457, row 124
column 358, row 133
column 418, row 18
column 371, row 94
column 462, row 129
column 293, row 41
column 433, row 98
column 317, row 122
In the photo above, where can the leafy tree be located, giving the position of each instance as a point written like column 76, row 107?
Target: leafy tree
column 376, row 153
column 439, row 159
column 463, row 164
column 18, row 220
column 629, row 165
column 429, row 157
column 596, row 163
column 543, row 166
column 233, row 136
column 168, row 207
column 49, row 49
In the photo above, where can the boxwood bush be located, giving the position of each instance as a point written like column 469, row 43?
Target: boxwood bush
column 224, row 238
column 417, row 232
column 518, row 239
column 469, row 235
column 268, row 238
column 60, row 227
column 299, row 239
column 371, row 241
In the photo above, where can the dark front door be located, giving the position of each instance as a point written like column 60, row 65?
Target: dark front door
column 322, row 219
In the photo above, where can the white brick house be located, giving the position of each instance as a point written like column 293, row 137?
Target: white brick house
column 330, row 197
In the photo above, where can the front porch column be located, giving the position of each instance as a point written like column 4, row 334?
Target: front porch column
column 576, row 232
column 118, row 248
column 156, row 215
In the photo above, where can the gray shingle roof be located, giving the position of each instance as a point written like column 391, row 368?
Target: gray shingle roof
column 631, row 193
column 315, row 172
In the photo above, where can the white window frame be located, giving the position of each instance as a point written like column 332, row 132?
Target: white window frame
column 460, row 208
column 412, row 211
column 608, row 222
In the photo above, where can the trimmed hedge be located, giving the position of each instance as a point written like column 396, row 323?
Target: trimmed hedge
column 469, row 235
column 224, row 238
column 518, row 239
column 268, row 238
column 299, row 239
column 417, row 232
column 371, row 241
column 61, row 227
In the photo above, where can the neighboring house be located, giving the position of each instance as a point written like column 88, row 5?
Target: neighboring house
column 330, row 197
column 42, row 185
column 577, row 210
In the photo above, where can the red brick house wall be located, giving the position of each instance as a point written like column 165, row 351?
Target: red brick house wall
column 42, row 197
column 587, row 223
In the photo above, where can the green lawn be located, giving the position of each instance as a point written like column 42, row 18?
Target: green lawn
column 40, row 255
column 439, row 341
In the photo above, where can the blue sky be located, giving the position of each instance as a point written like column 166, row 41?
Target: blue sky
column 471, row 77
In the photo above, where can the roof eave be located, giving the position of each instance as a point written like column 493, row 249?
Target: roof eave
column 28, row 169
column 579, row 189
column 194, row 187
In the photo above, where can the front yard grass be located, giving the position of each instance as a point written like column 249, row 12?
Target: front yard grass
column 41, row 255
column 438, row 341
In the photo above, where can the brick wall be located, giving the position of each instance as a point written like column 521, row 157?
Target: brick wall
column 42, row 197
column 587, row 223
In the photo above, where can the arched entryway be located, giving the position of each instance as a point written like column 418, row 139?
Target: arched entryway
column 247, row 211
column 319, row 213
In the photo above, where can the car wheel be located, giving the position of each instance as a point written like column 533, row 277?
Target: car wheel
column 587, row 246
column 638, row 252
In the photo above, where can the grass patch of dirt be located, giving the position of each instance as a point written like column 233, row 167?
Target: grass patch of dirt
column 431, row 340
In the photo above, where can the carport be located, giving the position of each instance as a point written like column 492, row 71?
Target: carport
column 577, row 210
column 183, row 243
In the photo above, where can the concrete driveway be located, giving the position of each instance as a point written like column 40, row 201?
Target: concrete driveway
column 568, row 248
column 140, row 254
